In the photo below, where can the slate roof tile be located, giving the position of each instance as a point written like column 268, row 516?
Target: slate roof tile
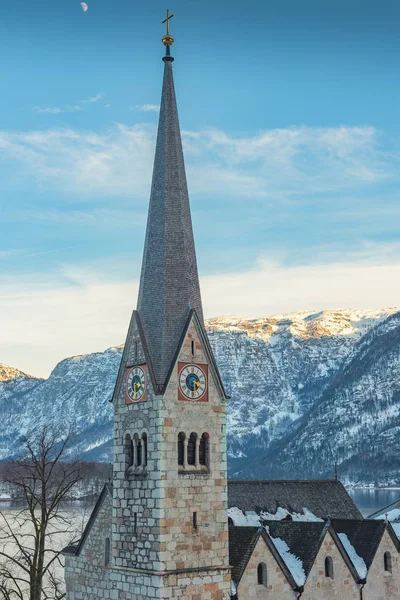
column 364, row 536
column 169, row 283
column 325, row 499
column 242, row 541
column 303, row 538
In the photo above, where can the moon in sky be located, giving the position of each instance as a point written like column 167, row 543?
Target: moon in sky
column 84, row 6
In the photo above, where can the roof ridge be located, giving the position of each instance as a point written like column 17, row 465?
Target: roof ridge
column 247, row 481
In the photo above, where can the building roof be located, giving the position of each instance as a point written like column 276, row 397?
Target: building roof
column 303, row 539
column 77, row 546
column 365, row 536
column 325, row 499
column 169, row 283
column 242, row 541
column 392, row 511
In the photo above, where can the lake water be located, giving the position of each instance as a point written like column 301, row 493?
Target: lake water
column 371, row 500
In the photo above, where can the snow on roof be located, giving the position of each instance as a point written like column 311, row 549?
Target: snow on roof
column 358, row 561
column 392, row 515
column 325, row 499
column 293, row 563
column 251, row 518
column 241, row 519
column 396, row 529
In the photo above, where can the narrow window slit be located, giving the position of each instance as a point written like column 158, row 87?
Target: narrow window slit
column 107, row 552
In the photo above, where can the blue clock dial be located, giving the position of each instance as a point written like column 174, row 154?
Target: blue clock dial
column 192, row 382
column 136, row 384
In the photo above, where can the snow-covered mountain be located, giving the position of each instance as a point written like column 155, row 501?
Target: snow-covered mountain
column 7, row 373
column 306, row 389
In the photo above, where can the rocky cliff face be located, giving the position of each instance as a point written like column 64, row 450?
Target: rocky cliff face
column 354, row 421
column 306, row 389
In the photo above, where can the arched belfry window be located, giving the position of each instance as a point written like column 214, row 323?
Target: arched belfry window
column 191, row 449
column 144, row 449
column 262, row 574
column 138, row 442
column 128, row 450
column 387, row 562
column 329, row 567
column 204, row 450
column 181, row 449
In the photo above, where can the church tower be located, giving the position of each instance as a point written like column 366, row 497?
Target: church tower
column 169, row 520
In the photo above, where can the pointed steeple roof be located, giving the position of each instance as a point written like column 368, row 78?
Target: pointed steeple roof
column 169, row 283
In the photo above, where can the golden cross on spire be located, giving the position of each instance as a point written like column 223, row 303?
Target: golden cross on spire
column 167, row 40
column 166, row 21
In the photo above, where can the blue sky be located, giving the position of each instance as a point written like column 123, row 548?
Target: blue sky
column 290, row 120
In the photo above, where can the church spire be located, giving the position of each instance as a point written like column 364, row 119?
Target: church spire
column 169, row 284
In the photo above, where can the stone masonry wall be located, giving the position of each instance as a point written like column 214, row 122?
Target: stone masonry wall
column 382, row 585
column 137, row 497
column 278, row 587
column 86, row 575
column 165, row 498
column 88, row 578
column 203, row 492
column 156, row 550
column 341, row 587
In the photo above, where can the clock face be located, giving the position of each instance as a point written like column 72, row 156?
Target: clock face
column 136, row 384
column 192, row 382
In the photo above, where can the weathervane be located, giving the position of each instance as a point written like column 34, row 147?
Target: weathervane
column 167, row 40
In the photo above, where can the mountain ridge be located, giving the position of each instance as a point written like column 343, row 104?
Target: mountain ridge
column 278, row 370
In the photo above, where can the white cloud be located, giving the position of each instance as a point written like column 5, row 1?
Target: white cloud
column 55, row 110
column 272, row 288
column 272, row 164
column 52, row 110
column 92, row 100
column 114, row 163
column 42, row 321
column 148, row 107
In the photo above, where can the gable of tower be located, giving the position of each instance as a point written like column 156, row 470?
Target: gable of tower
column 194, row 348
column 135, row 354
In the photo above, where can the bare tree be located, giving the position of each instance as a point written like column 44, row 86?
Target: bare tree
column 32, row 538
